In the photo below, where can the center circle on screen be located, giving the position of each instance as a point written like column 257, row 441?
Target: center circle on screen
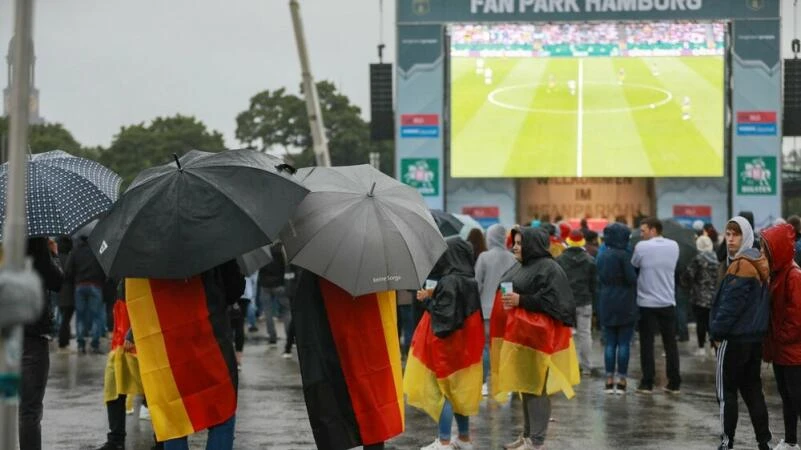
column 667, row 96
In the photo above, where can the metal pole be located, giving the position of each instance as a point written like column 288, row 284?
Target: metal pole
column 319, row 140
column 15, row 231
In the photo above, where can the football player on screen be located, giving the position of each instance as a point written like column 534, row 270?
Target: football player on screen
column 551, row 83
column 621, row 76
column 571, row 85
column 686, row 108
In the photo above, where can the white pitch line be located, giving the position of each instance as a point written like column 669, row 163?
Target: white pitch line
column 580, row 115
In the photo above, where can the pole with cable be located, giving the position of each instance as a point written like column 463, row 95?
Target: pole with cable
column 14, row 236
column 319, row 140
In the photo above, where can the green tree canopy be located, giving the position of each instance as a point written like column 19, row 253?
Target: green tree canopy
column 137, row 147
column 277, row 120
column 45, row 137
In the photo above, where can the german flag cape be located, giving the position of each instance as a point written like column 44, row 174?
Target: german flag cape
column 186, row 357
column 350, row 364
column 446, row 368
column 526, row 350
column 122, row 368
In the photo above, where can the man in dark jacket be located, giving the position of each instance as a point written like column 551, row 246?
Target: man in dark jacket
column 739, row 320
column 66, row 298
column 272, row 292
column 783, row 342
column 580, row 269
column 85, row 273
column 35, row 348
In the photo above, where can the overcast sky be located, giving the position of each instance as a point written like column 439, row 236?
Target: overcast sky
column 102, row 64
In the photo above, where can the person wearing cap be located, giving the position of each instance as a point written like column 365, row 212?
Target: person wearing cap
column 580, row 269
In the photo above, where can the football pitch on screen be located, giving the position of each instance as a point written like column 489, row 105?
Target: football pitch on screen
column 591, row 117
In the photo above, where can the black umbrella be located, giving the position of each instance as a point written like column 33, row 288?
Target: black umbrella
column 683, row 236
column 63, row 192
column 363, row 231
column 183, row 218
column 447, row 223
column 254, row 260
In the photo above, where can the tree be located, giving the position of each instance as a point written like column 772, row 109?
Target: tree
column 45, row 137
column 277, row 121
column 137, row 147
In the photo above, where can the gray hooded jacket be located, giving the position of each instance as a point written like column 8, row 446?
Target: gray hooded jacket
column 491, row 266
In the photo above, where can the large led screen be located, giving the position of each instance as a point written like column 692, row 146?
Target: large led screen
column 587, row 100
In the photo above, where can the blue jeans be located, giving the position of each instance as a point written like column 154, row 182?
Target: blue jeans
column 618, row 343
column 406, row 319
column 446, row 422
column 89, row 314
column 251, row 314
column 221, row 437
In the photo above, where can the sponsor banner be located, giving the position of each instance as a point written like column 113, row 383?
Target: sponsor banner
column 756, row 123
column 419, row 126
column 422, row 174
column 756, row 175
column 688, row 214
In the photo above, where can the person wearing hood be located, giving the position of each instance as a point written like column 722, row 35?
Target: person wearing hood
column 656, row 258
column 617, row 305
column 539, row 304
column 581, row 273
column 490, row 268
column 446, row 350
column 701, row 277
column 795, row 221
column 738, row 322
column 782, row 345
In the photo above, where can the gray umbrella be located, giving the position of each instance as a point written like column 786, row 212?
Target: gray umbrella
column 254, row 260
column 183, row 218
column 362, row 230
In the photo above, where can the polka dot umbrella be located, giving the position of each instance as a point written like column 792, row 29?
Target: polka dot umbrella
column 63, row 193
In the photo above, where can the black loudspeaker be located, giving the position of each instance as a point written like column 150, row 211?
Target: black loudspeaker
column 791, row 126
column 382, row 114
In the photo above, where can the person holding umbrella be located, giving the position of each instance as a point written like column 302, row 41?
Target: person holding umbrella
column 174, row 236
column 359, row 237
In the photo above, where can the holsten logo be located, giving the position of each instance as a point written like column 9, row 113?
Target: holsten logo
column 391, row 278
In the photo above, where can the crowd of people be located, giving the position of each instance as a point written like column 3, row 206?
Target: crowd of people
column 675, row 33
column 553, row 282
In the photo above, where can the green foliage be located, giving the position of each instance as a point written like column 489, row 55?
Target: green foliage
column 137, row 147
column 45, row 137
column 277, row 120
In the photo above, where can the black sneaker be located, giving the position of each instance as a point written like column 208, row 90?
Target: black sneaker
column 253, row 329
column 647, row 390
column 110, row 446
column 672, row 390
column 620, row 389
column 609, row 388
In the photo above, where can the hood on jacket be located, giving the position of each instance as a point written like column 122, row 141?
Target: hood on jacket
column 753, row 257
column 535, row 244
column 496, row 237
column 780, row 241
column 748, row 234
column 617, row 236
column 573, row 257
column 457, row 259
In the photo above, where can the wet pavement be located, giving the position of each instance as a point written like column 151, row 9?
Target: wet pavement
column 272, row 414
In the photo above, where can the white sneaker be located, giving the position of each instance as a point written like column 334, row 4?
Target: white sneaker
column 144, row 414
column 437, row 445
column 485, row 390
column 701, row 352
column 461, row 445
column 785, row 446
column 518, row 443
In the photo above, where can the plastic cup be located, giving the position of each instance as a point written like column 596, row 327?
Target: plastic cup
column 431, row 285
column 506, row 288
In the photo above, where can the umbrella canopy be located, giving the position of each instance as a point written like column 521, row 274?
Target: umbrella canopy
column 363, row 231
column 683, row 236
column 183, row 218
column 447, row 223
column 254, row 260
column 469, row 223
column 63, row 192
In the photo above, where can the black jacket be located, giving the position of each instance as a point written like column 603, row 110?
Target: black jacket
column 49, row 269
column 579, row 267
column 82, row 266
column 272, row 275
column 542, row 284
column 456, row 296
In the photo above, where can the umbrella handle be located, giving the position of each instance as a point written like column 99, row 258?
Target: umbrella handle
column 177, row 162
